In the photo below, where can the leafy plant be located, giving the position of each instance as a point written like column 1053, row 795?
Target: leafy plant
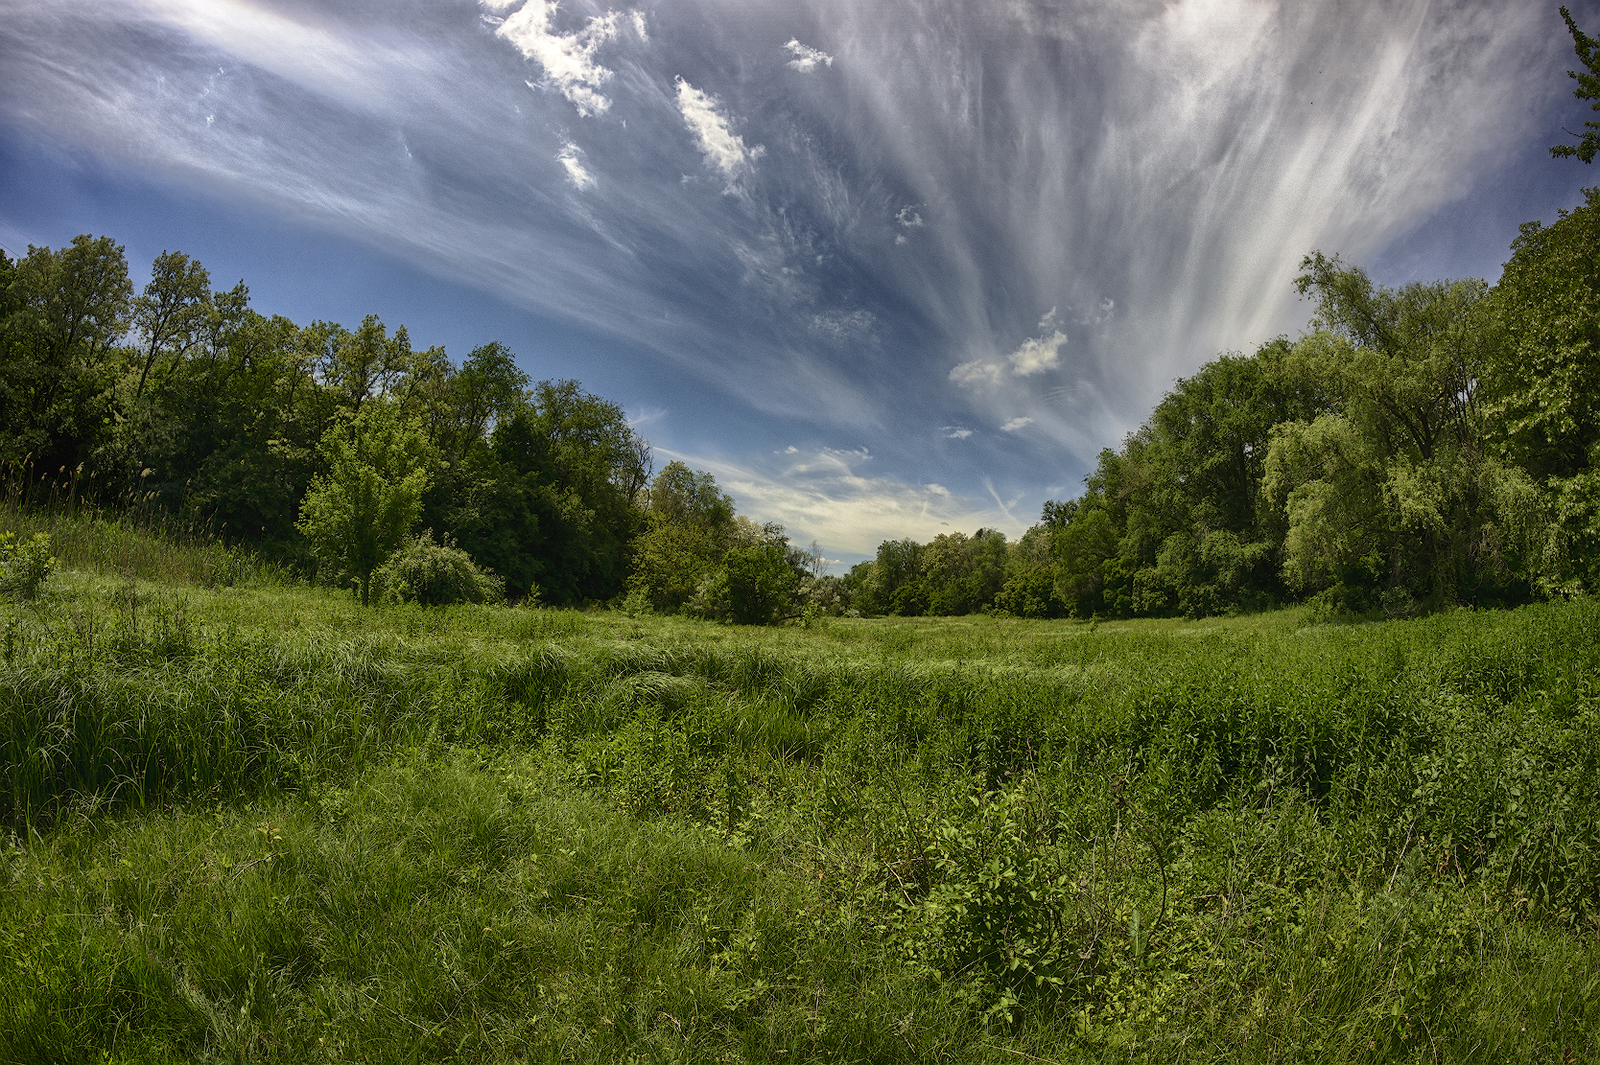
column 432, row 573
column 24, row 564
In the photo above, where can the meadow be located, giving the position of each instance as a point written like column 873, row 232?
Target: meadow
column 248, row 820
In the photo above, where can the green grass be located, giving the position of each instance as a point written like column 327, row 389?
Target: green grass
column 255, row 822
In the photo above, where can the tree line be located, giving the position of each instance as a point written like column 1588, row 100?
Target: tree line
column 329, row 448
column 1414, row 448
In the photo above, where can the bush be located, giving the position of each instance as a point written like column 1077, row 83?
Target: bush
column 434, row 574
column 755, row 586
column 24, row 564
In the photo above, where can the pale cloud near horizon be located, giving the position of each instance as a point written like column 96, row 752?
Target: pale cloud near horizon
column 1014, row 424
column 826, row 495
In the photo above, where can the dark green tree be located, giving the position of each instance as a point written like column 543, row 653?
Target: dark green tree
column 1542, row 384
column 1588, row 89
column 66, row 312
column 558, row 513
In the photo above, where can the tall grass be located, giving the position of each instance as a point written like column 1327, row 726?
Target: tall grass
column 1241, row 840
column 135, row 538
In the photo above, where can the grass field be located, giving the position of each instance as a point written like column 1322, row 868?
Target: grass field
column 250, row 821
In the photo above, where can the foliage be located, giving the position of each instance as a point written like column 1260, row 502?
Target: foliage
column 755, row 585
column 689, row 528
column 561, row 477
column 64, row 313
column 1394, row 492
column 1588, row 50
column 25, row 564
column 431, row 573
column 371, row 497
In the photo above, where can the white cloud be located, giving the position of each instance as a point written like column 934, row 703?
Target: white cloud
column 955, row 432
column 823, row 495
column 1014, row 424
column 978, row 371
column 722, row 148
column 571, row 157
column 806, row 58
column 1038, row 354
column 1097, row 149
column 568, row 59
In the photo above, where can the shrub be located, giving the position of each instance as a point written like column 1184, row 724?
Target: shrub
column 755, row 586
column 434, row 574
column 24, row 564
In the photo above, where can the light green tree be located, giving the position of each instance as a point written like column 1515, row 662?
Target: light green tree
column 1391, row 493
column 358, row 512
column 689, row 526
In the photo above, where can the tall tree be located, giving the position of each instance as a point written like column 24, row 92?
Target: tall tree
column 687, row 532
column 172, row 313
column 1543, row 383
column 562, row 468
column 1393, row 492
column 67, row 311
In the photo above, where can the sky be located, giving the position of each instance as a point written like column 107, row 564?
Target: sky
column 886, row 269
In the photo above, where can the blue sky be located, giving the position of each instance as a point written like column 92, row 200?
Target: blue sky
column 886, row 268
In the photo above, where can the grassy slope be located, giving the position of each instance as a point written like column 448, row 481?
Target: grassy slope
column 259, row 823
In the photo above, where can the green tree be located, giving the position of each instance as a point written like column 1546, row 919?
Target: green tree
column 371, row 496
column 688, row 530
column 560, row 478
column 755, row 586
column 1392, row 492
column 66, row 312
column 1542, row 383
column 172, row 313
column 963, row 574
column 1588, row 89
